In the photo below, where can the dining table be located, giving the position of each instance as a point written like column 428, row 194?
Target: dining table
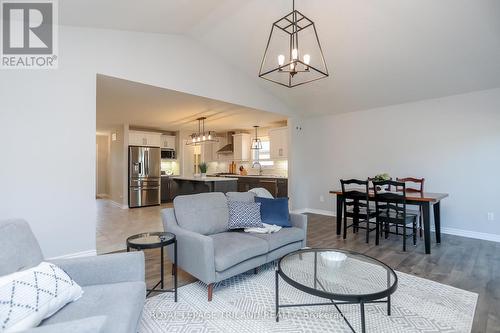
column 424, row 200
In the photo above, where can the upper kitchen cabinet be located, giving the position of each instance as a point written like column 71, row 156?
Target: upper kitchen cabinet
column 168, row 141
column 207, row 152
column 278, row 141
column 241, row 147
column 140, row 138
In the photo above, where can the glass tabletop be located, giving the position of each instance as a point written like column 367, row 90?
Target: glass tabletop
column 338, row 274
column 150, row 239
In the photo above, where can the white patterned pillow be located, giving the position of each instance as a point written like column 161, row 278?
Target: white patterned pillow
column 29, row 296
column 244, row 215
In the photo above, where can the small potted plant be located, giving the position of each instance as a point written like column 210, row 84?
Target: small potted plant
column 203, row 169
column 381, row 177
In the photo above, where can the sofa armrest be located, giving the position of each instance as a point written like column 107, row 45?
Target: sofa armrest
column 195, row 252
column 110, row 268
column 86, row 325
column 300, row 221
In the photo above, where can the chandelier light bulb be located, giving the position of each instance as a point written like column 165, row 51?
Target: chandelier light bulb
column 193, row 139
column 292, row 66
column 209, row 136
column 204, row 137
column 307, row 59
column 281, row 60
column 295, row 54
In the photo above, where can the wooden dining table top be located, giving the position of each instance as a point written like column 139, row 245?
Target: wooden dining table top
column 413, row 196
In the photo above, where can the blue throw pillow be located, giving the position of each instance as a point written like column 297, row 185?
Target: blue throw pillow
column 244, row 215
column 274, row 211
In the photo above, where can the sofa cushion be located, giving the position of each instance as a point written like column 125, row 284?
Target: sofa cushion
column 101, row 300
column 204, row 213
column 19, row 249
column 244, row 215
column 232, row 248
column 274, row 211
column 241, row 196
column 281, row 238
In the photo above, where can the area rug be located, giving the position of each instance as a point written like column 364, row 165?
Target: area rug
column 245, row 303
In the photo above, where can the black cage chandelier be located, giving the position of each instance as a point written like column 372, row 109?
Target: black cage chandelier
column 293, row 53
column 202, row 136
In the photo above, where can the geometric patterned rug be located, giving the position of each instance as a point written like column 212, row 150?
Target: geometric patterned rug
column 245, row 304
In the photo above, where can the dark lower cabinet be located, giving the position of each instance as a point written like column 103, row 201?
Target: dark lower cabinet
column 169, row 189
column 186, row 186
column 278, row 187
column 282, row 188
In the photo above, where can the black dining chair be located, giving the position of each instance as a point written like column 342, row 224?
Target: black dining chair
column 416, row 186
column 357, row 207
column 391, row 210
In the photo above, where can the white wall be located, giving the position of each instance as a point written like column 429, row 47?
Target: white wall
column 47, row 122
column 453, row 142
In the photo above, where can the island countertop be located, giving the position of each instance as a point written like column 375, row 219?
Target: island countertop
column 205, row 179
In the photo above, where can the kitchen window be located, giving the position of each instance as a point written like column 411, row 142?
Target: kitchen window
column 264, row 155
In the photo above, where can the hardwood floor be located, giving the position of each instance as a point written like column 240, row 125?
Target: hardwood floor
column 464, row 263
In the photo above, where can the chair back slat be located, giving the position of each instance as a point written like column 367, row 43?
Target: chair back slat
column 355, row 192
column 392, row 203
column 413, row 185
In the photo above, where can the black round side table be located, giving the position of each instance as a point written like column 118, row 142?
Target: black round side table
column 154, row 240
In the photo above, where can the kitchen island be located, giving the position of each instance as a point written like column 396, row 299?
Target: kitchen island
column 276, row 185
column 193, row 185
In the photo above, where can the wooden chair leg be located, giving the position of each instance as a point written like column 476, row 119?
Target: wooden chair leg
column 344, row 235
column 420, row 221
column 404, row 238
column 377, row 232
column 173, row 269
column 414, row 229
column 210, row 291
column 367, row 230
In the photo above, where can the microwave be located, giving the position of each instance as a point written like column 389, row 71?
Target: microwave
column 168, row 154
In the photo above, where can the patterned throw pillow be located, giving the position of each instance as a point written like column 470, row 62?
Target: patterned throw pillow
column 29, row 296
column 244, row 215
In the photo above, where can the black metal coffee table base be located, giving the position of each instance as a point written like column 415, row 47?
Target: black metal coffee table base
column 335, row 304
column 339, row 264
column 161, row 244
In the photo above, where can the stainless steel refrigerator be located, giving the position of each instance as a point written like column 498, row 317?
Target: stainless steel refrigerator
column 144, row 176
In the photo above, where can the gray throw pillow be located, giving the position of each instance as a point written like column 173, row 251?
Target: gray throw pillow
column 244, row 215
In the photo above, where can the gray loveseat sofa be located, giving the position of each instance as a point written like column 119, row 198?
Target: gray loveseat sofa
column 209, row 252
column 113, row 285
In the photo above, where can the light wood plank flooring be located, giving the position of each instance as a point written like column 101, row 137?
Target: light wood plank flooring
column 464, row 263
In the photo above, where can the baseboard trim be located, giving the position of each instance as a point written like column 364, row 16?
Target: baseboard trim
column 470, row 234
column 314, row 211
column 117, row 204
column 88, row 253
column 448, row 231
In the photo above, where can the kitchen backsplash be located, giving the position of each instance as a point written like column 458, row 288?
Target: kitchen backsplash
column 280, row 168
column 172, row 166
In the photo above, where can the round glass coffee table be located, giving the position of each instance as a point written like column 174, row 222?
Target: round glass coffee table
column 342, row 277
column 153, row 240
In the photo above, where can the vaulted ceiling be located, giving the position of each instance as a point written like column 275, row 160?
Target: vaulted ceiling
column 379, row 52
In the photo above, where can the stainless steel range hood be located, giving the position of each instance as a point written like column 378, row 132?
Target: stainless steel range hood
column 229, row 148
